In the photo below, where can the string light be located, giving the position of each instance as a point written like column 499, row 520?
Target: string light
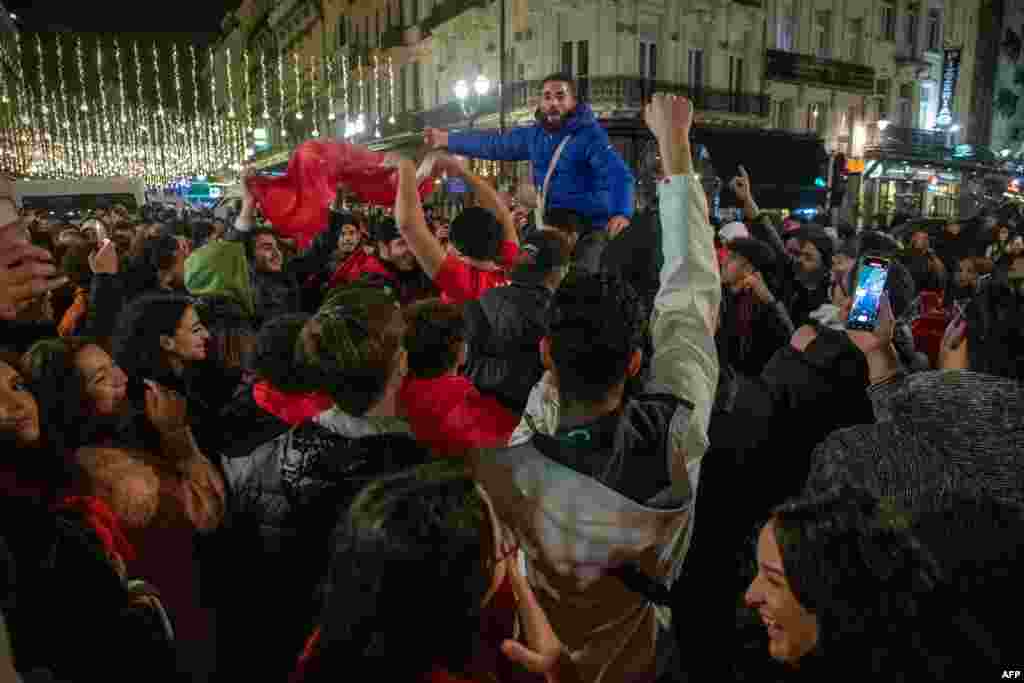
column 280, row 84
column 213, row 82
column 298, row 86
column 248, row 105
column 391, row 90
column 230, row 91
column 329, row 64
column 312, row 91
column 344, row 87
column 360, row 76
column 376, row 89
column 266, row 99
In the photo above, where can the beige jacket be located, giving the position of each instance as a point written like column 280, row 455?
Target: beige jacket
column 572, row 527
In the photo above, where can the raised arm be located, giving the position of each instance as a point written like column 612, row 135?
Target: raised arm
column 412, row 224
column 512, row 146
column 686, row 311
column 489, row 199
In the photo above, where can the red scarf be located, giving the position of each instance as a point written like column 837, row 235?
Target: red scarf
column 292, row 408
column 102, row 520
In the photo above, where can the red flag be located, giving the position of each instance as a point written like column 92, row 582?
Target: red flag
column 296, row 204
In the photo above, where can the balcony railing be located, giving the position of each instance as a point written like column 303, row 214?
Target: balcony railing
column 616, row 92
column 912, row 142
column 793, row 67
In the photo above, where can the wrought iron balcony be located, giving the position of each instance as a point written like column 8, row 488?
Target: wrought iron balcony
column 619, row 93
column 909, row 142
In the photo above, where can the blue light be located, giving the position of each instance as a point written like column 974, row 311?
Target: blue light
column 819, row 181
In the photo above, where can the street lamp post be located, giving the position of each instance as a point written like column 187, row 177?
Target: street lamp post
column 471, row 105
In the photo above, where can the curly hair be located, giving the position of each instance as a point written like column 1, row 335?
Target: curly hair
column 429, row 522
column 595, row 322
column 853, row 561
column 433, row 333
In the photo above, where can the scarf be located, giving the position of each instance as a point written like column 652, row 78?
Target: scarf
column 221, row 269
column 292, row 408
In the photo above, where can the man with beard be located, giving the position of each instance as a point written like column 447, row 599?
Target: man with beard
column 574, row 164
column 276, row 283
column 923, row 263
column 394, row 265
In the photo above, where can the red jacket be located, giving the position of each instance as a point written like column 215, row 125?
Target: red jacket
column 450, row 416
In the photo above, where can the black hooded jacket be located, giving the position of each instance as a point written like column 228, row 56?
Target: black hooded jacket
column 503, row 332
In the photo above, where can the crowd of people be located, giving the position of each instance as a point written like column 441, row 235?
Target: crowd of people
column 549, row 439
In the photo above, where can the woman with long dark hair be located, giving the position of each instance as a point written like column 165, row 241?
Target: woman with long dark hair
column 842, row 581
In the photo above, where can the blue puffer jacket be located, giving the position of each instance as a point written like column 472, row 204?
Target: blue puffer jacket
column 590, row 178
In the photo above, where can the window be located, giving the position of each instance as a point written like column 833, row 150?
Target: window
column 648, row 60
column 857, row 41
column 342, row 31
column 567, row 57
column 823, row 29
column 934, row 30
column 927, row 117
column 888, row 28
column 736, row 75
column 583, row 68
column 911, row 36
column 696, row 70
column 785, row 115
column 820, row 119
column 415, row 10
column 786, row 34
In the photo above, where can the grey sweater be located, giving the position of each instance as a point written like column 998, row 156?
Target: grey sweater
column 947, row 430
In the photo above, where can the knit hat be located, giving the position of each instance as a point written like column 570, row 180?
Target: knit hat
column 221, row 269
column 476, row 233
column 541, row 253
column 734, row 230
column 760, row 255
column 385, row 230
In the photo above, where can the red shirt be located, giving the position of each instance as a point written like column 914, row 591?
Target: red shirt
column 450, row 416
column 460, row 282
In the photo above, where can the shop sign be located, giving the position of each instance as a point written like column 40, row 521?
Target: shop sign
column 947, row 90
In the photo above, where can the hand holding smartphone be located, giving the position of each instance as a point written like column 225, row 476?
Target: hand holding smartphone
column 869, row 284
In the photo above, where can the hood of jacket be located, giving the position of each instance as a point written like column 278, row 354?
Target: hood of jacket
column 952, row 429
column 581, row 117
column 221, row 269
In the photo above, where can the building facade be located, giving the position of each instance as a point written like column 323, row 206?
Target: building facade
column 885, row 83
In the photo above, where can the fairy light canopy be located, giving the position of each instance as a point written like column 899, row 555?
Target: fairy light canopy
column 74, row 106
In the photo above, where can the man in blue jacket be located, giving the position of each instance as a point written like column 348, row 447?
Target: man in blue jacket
column 589, row 176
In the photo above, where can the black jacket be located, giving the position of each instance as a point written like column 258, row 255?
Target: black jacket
column 66, row 608
column 281, row 293
column 635, row 255
column 770, row 329
column 286, row 499
column 503, row 332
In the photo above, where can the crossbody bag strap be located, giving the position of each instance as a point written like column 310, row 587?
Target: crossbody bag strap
column 542, row 201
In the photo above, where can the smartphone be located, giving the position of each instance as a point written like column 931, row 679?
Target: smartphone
column 872, row 273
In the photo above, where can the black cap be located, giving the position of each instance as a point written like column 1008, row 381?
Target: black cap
column 385, row 230
column 760, row 255
column 541, row 253
column 476, row 233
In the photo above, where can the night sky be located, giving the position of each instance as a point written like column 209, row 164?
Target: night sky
column 182, row 20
